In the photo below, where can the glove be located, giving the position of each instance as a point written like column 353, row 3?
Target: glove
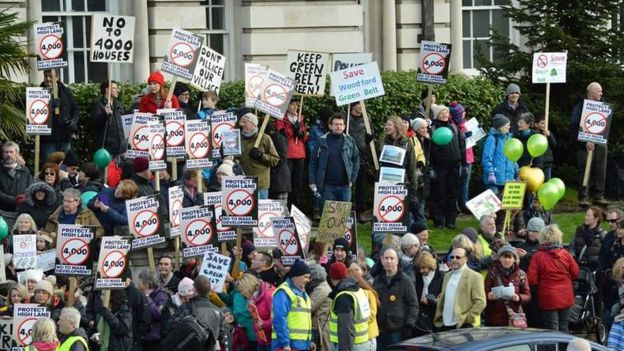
column 432, row 174
column 20, row 199
column 324, row 259
column 468, row 134
column 296, row 126
column 300, row 134
column 255, row 153
column 492, row 178
column 368, row 138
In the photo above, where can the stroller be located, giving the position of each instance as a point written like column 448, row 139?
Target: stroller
column 584, row 321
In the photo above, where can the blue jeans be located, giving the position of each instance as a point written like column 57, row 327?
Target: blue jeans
column 386, row 339
column 556, row 319
column 50, row 147
column 465, row 184
column 336, row 193
column 263, row 194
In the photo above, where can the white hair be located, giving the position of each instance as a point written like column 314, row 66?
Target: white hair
column 72, row 193
column 72, row 315
column 408, row 240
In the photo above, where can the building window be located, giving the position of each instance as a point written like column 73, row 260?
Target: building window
column 219, row 22
column 480, row 17
column 75, row 17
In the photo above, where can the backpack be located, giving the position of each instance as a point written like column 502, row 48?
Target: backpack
column 189, row 334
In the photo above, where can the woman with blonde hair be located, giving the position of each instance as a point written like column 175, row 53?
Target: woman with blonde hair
column 259, row 295
column 43, row 336
column 18, row 293
column 428, row 287
column 109, row 205
column 357, row 270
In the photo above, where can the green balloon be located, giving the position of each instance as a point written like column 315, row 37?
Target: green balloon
column 537, row 145
column 102, row 158
column 442, row 136
column 513, row 149
column 86, row 197
column 560, row 186
column 548, row 195
column 4, row 228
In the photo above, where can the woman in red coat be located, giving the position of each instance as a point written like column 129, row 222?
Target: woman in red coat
column 503, row 273
column 259, row 295
column 552, row 270
column 157, row 97
column 293, row 127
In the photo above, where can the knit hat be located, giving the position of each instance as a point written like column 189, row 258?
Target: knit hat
column 71, row 159
column 457, row 111
column 156, row 77
column 46, row 286
column 298, row 268
column 251, row 118
column 227, row 168
column 418, row 227
column 436, row 109
column 341, row 243
column 419, row 123
column 186, row 288
column 32, row 274
column 51, row 279
column 407, row 118
column 512, row 88
column 507, row 249
column 536, row 224
column 337, row 271
column 140, row 164
column 248, row 247
column 317, row 272
column 180, row 88
column 499, row 121
column 471, row 233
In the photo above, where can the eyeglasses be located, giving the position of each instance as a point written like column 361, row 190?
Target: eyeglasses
column 613, row 220
column 456, row 257
column 51, row 174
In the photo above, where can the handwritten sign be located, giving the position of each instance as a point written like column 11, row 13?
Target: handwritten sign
column 513, row 195
column 209, row 70
column 215, row 267
column 25, row 251
column 112, row 38
column 7, row 343
column 486, row 203
column 333, row 221
column 309, row 70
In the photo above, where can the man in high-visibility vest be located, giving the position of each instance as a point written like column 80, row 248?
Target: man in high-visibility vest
column 292, row 312
column 349, row 313
column 73, row 338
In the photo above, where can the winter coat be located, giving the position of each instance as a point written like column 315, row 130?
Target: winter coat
column 427, row 311
column 320, row 157
column 409, row 161
column 77, row 345
column 280, row 173
column 496, row 311
column 138, row 304
column 504, row 109
column 611, row 249
column 399, row 303
column 92, row 185
column 85, row 217
column 205, row 311
column 296, row 146
column 494, row 160
column 65, row 125
column 531, row 248
column 39, row 210
column 157, row 300
column 148, row 103
column 120, row 323
column 590, row 239
column 321, row 303
column 357, row 130
column 526, row 157
column 262, row 299
column 452, row 154
column 238, row 304
column 344, row 309
column 116, row 215
column 109, row 127
column 316, row 132
column 552, row 270
column 259, row 168
column 13, row 185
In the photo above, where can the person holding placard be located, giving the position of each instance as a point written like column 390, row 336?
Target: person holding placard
column 280, row 174
column 110, row 205
column 458, row 117
column 157, row 96
column 182, row 92
column 72, row 212
column 316, row 132
column 14, row 178
column 293, row 126
column 512, row 107
column 107, row 119
column 357, row 130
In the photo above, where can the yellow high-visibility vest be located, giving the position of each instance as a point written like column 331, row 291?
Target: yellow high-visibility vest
column 299, row 318
column 361, row 313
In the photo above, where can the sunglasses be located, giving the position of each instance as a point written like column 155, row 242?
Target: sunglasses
column 456, row 257
column 48, row 173
column 613, row 220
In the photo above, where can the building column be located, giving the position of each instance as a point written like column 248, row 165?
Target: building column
column 141, row 41
column 457, row 58
column 389, row 36
column 33, row 14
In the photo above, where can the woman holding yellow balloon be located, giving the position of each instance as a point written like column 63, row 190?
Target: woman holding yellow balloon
column 498, row 167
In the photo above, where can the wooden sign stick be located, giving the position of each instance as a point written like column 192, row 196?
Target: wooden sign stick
column 261, row 131
column 588, row 162
column 369, row 131
column 299, row 116
column 57, row 109
column 547, row 107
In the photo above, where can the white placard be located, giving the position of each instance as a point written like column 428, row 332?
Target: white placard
column 549, row 67
column 112, row 38
column 209, row 70
column 215, row 267
column 309, row 70
column 357, row 83
column 485, row 203
column 25, row 251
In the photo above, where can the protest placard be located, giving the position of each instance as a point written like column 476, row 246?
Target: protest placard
column 198, row 144
column 73, row 250
column 344, row 61
column 215, row 267
column 220, row 122
column 356, row 83
column 486, row 203
column 240, row 201
column 2, row 266
column 263, row 233
column 477, row 133
column 50, row 46
column 333, row 221
column 144, row 221
column 139, row 135
column 156, row 146
column 595, row 122
column 232, row 145
column 513, row 195
column 25, row 251
column 392, row 154
column 112, row 263
column 174, row 131
column 255, row 75
column 303, row 225
column 198, row 230
column 351, row 234
column 287, row 240
column 126, row 120
column 391, row 175
column 112, row 38
column 182, row 53
column 38, row 111
column 223, row 233
column 433, row 62
column 7, row 343
column 275, row 94
column 309, row 69
column 549, row 67
column 46, row 260
column 24, row 317
column 390, row 209
column 209, row 70
column 176, row 198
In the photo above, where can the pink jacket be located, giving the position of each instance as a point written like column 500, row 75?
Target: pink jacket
column 262, row 300
column 469, row 153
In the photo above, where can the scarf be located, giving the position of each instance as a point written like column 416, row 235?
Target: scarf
column 426, row 282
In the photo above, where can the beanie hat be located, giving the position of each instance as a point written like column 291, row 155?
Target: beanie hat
column 156, row 77
column 251, row 118
column 32, row 274
column 457, row 111
column 248, row 247
column 180, row 88
column 46, row 286
column 507, row 249
column 499, row 121
column 299, row 268
column 436, row 109
column 407, row 118
column 419, row 123
column 418, row 227
column 71, row 159
column 536, row 224
column 341, row 243
column 512, row 88
column 140, row 164
column 337, row 271
column 51, row 279
column 227, row 168
column 471, row 233
column 186, row 288
column 317, row 272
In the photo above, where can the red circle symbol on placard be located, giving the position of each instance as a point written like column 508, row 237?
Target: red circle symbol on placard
column 114, row 264
column 255, row 82
column 140, row 138
column 219, row 217
column 349, row 236
column 157, row 148
column 433, row 63
column 542, row 61
column 240, row 202
column 181, row 54
column 146, row 223
column 200, row 232
column 391, row 209
column 198, row 145
column 51, row 47
column 595, row 123
column 275, row 95
column 38, row 112
column 75, row 251
column 217, row 131
column 264, row 223
column 287, row 242
column 175, row 216
column 24, row 331
column 175, row 133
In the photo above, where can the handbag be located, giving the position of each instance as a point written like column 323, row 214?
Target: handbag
column 516, row 319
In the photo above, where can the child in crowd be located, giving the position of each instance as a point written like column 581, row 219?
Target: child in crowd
column 548, row 158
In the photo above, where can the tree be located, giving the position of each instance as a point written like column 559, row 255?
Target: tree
column 14, row 60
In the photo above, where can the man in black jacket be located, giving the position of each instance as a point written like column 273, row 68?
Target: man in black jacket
column 14, row 178
column 512, row 107
column 138, row 304
column 107, row 119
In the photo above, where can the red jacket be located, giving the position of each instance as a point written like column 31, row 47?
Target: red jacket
column 495, row 311
column 148, row 103
column 296, row 150
column 262, row 300
column 553, row 269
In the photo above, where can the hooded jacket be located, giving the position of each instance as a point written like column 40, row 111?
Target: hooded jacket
column 39, row 210
column 120, row 323
column 552, row 270
column 399, row 302
column 262, row 299
column 494, row 160
column 296, row 146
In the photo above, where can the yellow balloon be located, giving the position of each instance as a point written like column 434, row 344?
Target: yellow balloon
column 533, row 177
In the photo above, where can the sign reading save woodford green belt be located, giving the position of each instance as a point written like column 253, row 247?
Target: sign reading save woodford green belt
column 357, row 83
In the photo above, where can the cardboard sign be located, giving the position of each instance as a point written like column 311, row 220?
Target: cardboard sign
column 197, row 144
column 139, row 135
column 390, row 209
column 549, row 67
column 156, row 146
column 595, row 122
column 255, row 75
column 333, row 221
column 309, row 70
column 357, row 83
column 215, row 267
column 50, row 46
column 223, row 233
column 182, row 53
column 144, row 221
column 46, row 260
column 486, row 203
column 304, row 226
column 24, row 317
column 112, row 38
column 275, row 94
column 240, row 201
column 7, row 343
column 73, row 250
column 433, row 62
column 221, row 122
column 198, row 229
column 344, row 61
column 25, row 251
column 209, row 70
column 513, row 195
column 287, row 240
column 38, row 111
column 263, row 233
column 174, row 131
column 176, row 200
column 112, row 263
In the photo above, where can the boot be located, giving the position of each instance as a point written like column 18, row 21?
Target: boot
column 601, row 201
